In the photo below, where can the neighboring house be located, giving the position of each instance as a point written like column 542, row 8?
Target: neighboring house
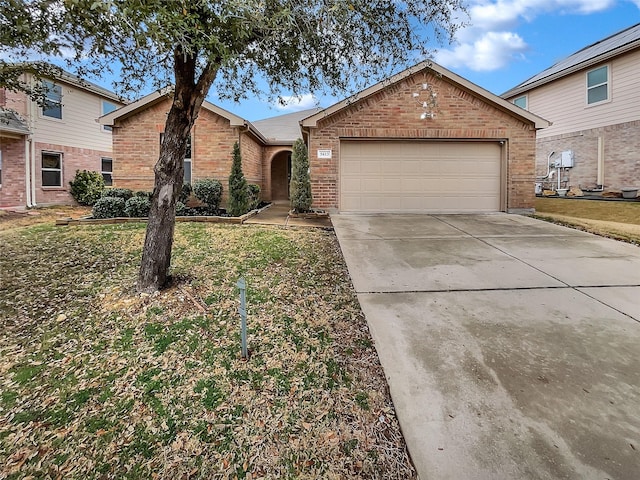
column 425, row 140
column 591, row 98
column 42, row 147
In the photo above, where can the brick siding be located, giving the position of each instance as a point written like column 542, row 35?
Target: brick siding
column 621, row 144
column 13, row 187
column 394, row 113
column 136, row 148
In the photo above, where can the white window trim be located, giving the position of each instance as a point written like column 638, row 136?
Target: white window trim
column 103, row 172
column 526, row 101
column 587, row 87
column 42, row 169
column 186, row 160
column 41, row 109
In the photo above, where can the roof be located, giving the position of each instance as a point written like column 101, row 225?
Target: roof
column 603, row 50
column 284, row 129
column 463, row 83
column 161, row 95
column 87, row 85
column 10, row 122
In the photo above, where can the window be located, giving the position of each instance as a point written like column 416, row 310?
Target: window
column 521, row 102
column 598, row 85
column 51, row 169
column 52, row 107
column 187, row 160
column 107, row 171
column 108, row 107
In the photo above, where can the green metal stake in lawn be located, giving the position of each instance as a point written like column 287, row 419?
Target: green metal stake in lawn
column 242, row 285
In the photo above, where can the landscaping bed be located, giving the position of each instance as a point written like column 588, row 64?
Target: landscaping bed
column 97, row 381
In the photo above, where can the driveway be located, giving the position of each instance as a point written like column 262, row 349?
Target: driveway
column 511, row 346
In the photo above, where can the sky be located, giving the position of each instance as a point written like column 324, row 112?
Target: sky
column 508, row 42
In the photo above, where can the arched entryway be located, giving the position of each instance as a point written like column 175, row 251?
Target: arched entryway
column 280, row 175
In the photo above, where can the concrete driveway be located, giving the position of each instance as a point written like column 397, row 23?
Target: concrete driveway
column 511, row 346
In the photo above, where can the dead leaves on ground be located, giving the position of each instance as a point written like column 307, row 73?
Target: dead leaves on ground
column 100, row 382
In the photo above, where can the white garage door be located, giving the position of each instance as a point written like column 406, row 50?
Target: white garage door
column 415, row 176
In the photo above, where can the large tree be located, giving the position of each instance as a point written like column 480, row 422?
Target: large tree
column 292, row 46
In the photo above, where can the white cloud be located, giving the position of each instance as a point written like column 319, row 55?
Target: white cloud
column 490, row 52
column 491, row 41
column 295, row 103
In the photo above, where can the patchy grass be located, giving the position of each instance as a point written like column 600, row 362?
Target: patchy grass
column 97, row 381
column 619, row 220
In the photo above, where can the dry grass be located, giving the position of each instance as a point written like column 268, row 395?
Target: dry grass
column 97, row 381
column 614, row 219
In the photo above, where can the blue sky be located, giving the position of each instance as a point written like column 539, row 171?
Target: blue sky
column 509, row 41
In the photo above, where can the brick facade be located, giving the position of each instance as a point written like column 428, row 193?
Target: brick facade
column 621, row 150
column 394, row 113
column 12, row 186
column 136, row 148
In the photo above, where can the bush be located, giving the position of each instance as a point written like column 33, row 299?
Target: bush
column 181, row 209
column 209, row 192
column 87, row 187
column 238, row 198
column 300, row 186
column 143, row 194
column 109, row 207
column 123, row 193
column 253, row 192
column 185, row 193
column 137, row 206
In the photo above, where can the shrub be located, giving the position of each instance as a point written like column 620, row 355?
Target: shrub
column 209, row 192
column 181, row 209
column 86, row 187
column 238, row 198
column 185, row 193
column 300, row 186
column 109, row 207
column 143, row 194
column 123, row 193
column 253, row 192
column 137, row 206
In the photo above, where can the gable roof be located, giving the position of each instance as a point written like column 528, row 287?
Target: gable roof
column 283, row 129
column 12, row 124
column 603, row 50
column 161, row 95
column 459, row 81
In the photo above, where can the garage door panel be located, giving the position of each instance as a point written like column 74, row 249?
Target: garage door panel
column 378, row 176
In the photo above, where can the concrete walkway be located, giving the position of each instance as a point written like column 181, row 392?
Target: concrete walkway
column 278, row 214
column 511, row 346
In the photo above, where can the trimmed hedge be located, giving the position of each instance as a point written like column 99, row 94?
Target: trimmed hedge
column 137, row 206
column 209, row 192
column 123, row 193
column 109, row 207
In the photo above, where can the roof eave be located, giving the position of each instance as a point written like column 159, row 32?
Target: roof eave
column 525, row 87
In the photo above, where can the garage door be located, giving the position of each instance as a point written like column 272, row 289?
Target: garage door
column 415, row 176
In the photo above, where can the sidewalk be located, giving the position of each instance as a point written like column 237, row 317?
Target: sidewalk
column 278, row 214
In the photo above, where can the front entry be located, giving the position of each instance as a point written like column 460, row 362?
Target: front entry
column 280, row 176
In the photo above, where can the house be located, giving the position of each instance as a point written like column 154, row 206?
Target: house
column 592, row 99
column 41, row 147
column 424, row 140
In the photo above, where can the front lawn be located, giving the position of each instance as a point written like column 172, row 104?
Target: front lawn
column 615, row 219
column 97, row 381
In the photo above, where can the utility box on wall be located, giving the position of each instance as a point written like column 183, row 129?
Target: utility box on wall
column 565, row 160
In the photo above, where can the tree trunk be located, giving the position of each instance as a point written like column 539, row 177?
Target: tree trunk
column 169, row 171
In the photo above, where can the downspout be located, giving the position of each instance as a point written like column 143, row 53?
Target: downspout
column 27, row 169
column 32, row 173
column 600, row 174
